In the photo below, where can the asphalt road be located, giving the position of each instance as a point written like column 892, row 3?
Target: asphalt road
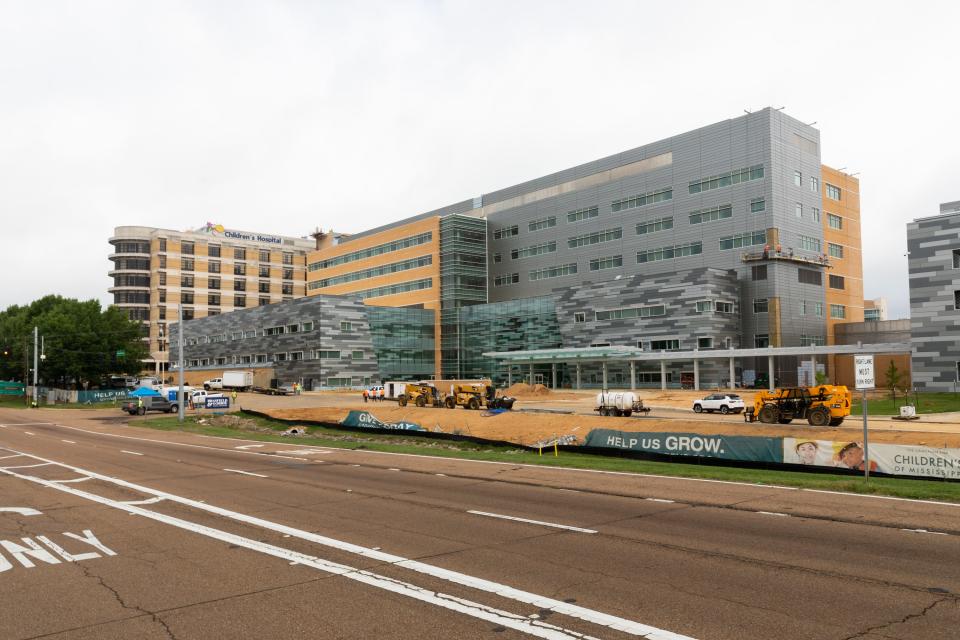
column 112, row 531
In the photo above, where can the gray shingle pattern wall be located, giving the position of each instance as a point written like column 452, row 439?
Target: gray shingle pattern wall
column 934, row 320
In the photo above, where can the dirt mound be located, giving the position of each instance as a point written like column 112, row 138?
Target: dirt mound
column 524, row 390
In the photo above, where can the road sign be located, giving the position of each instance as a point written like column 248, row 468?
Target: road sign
column 863, row 372
column 121, row 353
column 217, row 402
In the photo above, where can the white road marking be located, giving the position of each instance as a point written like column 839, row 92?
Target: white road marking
column 754, row 485
column 936, row 533
column 249, row 446
column 26, row 424
column 774, row 513
column 153, row 500
column 247, row 473
column 460, row 605
column 16, row 455
column 528, row 521
column 541, row 602
column 660, row 500
column 23, row 511
column 442, row 475
column 29, row 433
column 68, row 441
column 30, row 466
column 275, row 455
column 133, row 453
column 71, row 480
column 393, row 469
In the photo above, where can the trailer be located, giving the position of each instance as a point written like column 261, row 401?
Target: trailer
column 619, row 403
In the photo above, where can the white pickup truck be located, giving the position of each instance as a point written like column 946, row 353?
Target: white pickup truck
column 239, row 380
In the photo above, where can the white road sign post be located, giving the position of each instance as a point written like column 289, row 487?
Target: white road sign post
column 863, row 373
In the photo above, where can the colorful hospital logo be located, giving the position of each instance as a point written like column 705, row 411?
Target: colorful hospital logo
column 214, row 228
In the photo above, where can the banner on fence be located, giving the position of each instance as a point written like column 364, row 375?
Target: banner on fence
column 366, row 419
column 751, row 448
column 216, row 402
column 895, row 459
column 101, row 395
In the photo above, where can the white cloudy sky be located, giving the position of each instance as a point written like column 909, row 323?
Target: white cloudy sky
column 284, row 116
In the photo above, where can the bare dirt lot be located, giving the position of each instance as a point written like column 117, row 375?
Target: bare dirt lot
column 671, row 413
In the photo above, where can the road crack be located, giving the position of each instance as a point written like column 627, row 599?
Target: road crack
column 87, row 573
column 910, row 616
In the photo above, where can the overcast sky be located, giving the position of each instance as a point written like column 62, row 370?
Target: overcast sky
column 284, row 116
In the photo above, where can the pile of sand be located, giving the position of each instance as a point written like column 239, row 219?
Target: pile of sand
column 524, row 390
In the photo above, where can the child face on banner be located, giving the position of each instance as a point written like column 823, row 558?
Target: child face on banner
column 807, row 452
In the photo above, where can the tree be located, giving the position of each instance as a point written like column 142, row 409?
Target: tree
column 893, row 378
column 821, row 378
column 82, row 342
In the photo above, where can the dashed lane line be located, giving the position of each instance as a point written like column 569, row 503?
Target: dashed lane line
column 68, row 441
column 247, row 473
column 542, row 602
column 553, row 525
column 133, row 453
column 773, row 513
column 507, row 619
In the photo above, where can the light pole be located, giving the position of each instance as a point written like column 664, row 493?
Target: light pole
column 36, row 390
column 180, row 398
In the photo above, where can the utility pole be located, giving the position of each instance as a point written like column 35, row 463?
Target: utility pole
column 36, row 391
column 180, row 398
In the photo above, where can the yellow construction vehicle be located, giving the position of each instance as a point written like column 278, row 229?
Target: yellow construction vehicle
column 823, row 405
column 422, row 395
column 475, row 395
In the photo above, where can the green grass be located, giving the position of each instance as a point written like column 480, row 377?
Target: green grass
column 925, row 403
column 268, row 431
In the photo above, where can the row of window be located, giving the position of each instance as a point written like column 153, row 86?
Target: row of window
column 239, row 269
column 642, row 200
column 188, row 248
column 297, row 327
column 263, row 286
column 393, row 289
column 380, row 249
column 393, row 267
column 653, row 311
column 813, row 181
column 283, row 356
column 726, row 179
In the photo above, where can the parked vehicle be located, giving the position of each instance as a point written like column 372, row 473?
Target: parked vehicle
column 150, row 403
column 199, row 394
column 123, row 382
column 239, row 380
column 475, row 395
column 150, row 382
column 722, row 402
column 422, row 395
column 823, row 405
column 619, row 403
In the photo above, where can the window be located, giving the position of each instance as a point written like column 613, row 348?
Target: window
column 798, row 178
column 186, row 281
column 393, row 289
column 261, row 357
column 263, row 302
column 758, row 272
column 798, row 210
column 286, row 289
column 814, row 184
column 287, row 257
column 748, row 239
column 726, row 179
column 239, row 285
column 389, row 247
column 723, row 307
column 162, row 263
column 660, row 224
column 274, row 331
column 186, row 264
column 610, row 262
column 535, row 250
column 497, row 257
column 186, row 248
column 162, row 279
column 264, row 287
column 213, row 267
column 213, row 283
column 280, row 357
column 288, row 274
column 296, row 355
column 838, row 311
column 705, row 343
column 642, row 200
column 810, row 244
column 836, row 282
column 704, row 306
column 543, row 223
column 811, row 308
column 264, row 271
column 835, row 250
column 186, row 298
column 815, row 214
column 240, row 301
column 834, row 221
column 506, row 232
column 213, row 251
column 163, row 314
column 956, row 299
column 607, row 235
column 579, row 316
column 264, row 255
column 808, row 276
column 761, row 305
column 956, row 258
column 757, row 205
column 373, row 272
column 632, row 312
column 832, row 192
column 239, row 253
column 327, row 355
column 665, row 345
column 163, row 295
column 583, row 214
column 668, row 253
column 761, row 341
column 246, row 359
column 346, row 326
column 357, row 355
column 236, row 335
column 711, row 214
column 213, row 299
column 163, row 244
column 506, row 279
column 553, row 272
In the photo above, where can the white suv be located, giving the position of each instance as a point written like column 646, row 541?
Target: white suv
column 722, row 402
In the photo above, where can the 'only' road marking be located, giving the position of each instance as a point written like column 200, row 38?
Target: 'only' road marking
column 528, row 521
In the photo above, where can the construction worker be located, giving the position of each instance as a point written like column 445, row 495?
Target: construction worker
column 365, row 393
column 380, row 392
column 140, row 405
column 233, row 398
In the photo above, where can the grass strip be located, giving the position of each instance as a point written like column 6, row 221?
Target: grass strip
column 930, row 402
column 266, row 430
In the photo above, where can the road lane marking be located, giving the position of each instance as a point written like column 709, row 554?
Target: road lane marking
column 23, row 511
column 249, row 446
column 247, row 473
column 275, row 455
column 773, row 513
column 153, row 500
column 936, row 533
column 528, row 521
column 518, row 595
column 393, row 469
column 71, row 480
column 460, row 605
column 68, row 441
column 660, row 500
column 133, row 453
column 29, row 466
column 16, row 455
column 30, row 433
column 753, row 485
column 26, row 424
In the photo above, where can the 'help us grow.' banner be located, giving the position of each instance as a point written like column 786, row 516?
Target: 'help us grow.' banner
column 690, row 444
